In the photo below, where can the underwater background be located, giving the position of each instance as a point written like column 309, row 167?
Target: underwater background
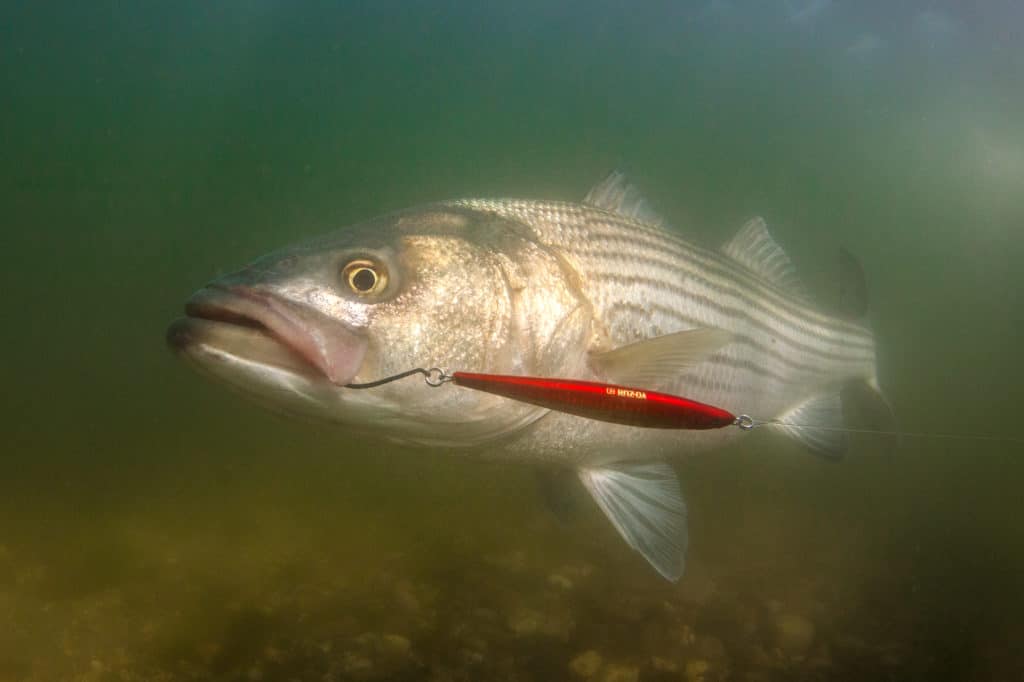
column 153, row 526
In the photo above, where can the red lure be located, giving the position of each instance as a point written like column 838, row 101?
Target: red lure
column 604, row 402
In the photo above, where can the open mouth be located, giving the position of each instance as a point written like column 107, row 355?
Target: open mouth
column 263, row 329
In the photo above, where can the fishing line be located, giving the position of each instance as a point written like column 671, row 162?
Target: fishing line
column 750, row 423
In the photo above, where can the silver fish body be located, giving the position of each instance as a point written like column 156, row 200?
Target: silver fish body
column 595, row 290
column 641, row 281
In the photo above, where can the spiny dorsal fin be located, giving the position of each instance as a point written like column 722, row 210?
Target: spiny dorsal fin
column 754, row 249
column 616, row 194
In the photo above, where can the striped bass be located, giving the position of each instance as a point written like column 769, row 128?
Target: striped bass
column 599, row 290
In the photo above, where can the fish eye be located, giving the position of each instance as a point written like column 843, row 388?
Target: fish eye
column 364, row 277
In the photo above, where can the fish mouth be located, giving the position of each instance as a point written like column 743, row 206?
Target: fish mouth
column 258, row 327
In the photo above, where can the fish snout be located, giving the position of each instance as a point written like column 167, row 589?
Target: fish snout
column 181, row 334
column 247, row 321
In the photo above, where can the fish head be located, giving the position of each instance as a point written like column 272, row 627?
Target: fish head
column 430, row 287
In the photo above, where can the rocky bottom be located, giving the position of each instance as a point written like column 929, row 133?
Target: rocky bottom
column 512, row 615
column 303, row 572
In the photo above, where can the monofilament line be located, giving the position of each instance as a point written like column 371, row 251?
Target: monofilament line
column 907, row 434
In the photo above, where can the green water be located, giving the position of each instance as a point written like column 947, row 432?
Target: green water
column 155, row 527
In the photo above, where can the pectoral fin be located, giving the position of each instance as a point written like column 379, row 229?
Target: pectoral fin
column 654, row 362
column 645, row 505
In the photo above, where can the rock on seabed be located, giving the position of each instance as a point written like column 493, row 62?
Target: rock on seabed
column 794, row 634
column 586, row 664
column 620, row 673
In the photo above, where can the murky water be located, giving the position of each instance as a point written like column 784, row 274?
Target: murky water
column 155, row 527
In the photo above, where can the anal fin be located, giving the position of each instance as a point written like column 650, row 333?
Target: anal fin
column 644, row 503
column 866, row 407
column 818, row 425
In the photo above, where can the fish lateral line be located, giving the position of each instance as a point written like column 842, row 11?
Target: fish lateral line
column 627, row 405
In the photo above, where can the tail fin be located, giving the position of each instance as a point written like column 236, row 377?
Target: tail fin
column 860, row 403
column 853, row 287
column 864, row 404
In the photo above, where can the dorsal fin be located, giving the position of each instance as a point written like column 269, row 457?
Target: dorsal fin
column 754, row 249
column 616, row 194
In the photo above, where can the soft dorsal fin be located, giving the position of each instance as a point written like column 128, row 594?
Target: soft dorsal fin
column 616, row 194
column 754, row 249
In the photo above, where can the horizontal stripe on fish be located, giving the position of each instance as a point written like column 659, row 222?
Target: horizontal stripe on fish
column 720, row 288
column 684, row 321
column 833, row 350
column 733, row 382
column 713, row 269
column 583, row 225
column 750, row 366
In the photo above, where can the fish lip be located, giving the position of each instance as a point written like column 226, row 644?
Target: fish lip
column 327, row 346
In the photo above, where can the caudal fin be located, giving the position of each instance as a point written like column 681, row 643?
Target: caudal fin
column 864, row 404
column 823, row 422
column 853, row 287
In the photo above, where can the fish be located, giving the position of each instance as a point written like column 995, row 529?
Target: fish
column 601, row 290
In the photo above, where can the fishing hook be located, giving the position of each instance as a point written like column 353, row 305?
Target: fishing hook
column 434, row 377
